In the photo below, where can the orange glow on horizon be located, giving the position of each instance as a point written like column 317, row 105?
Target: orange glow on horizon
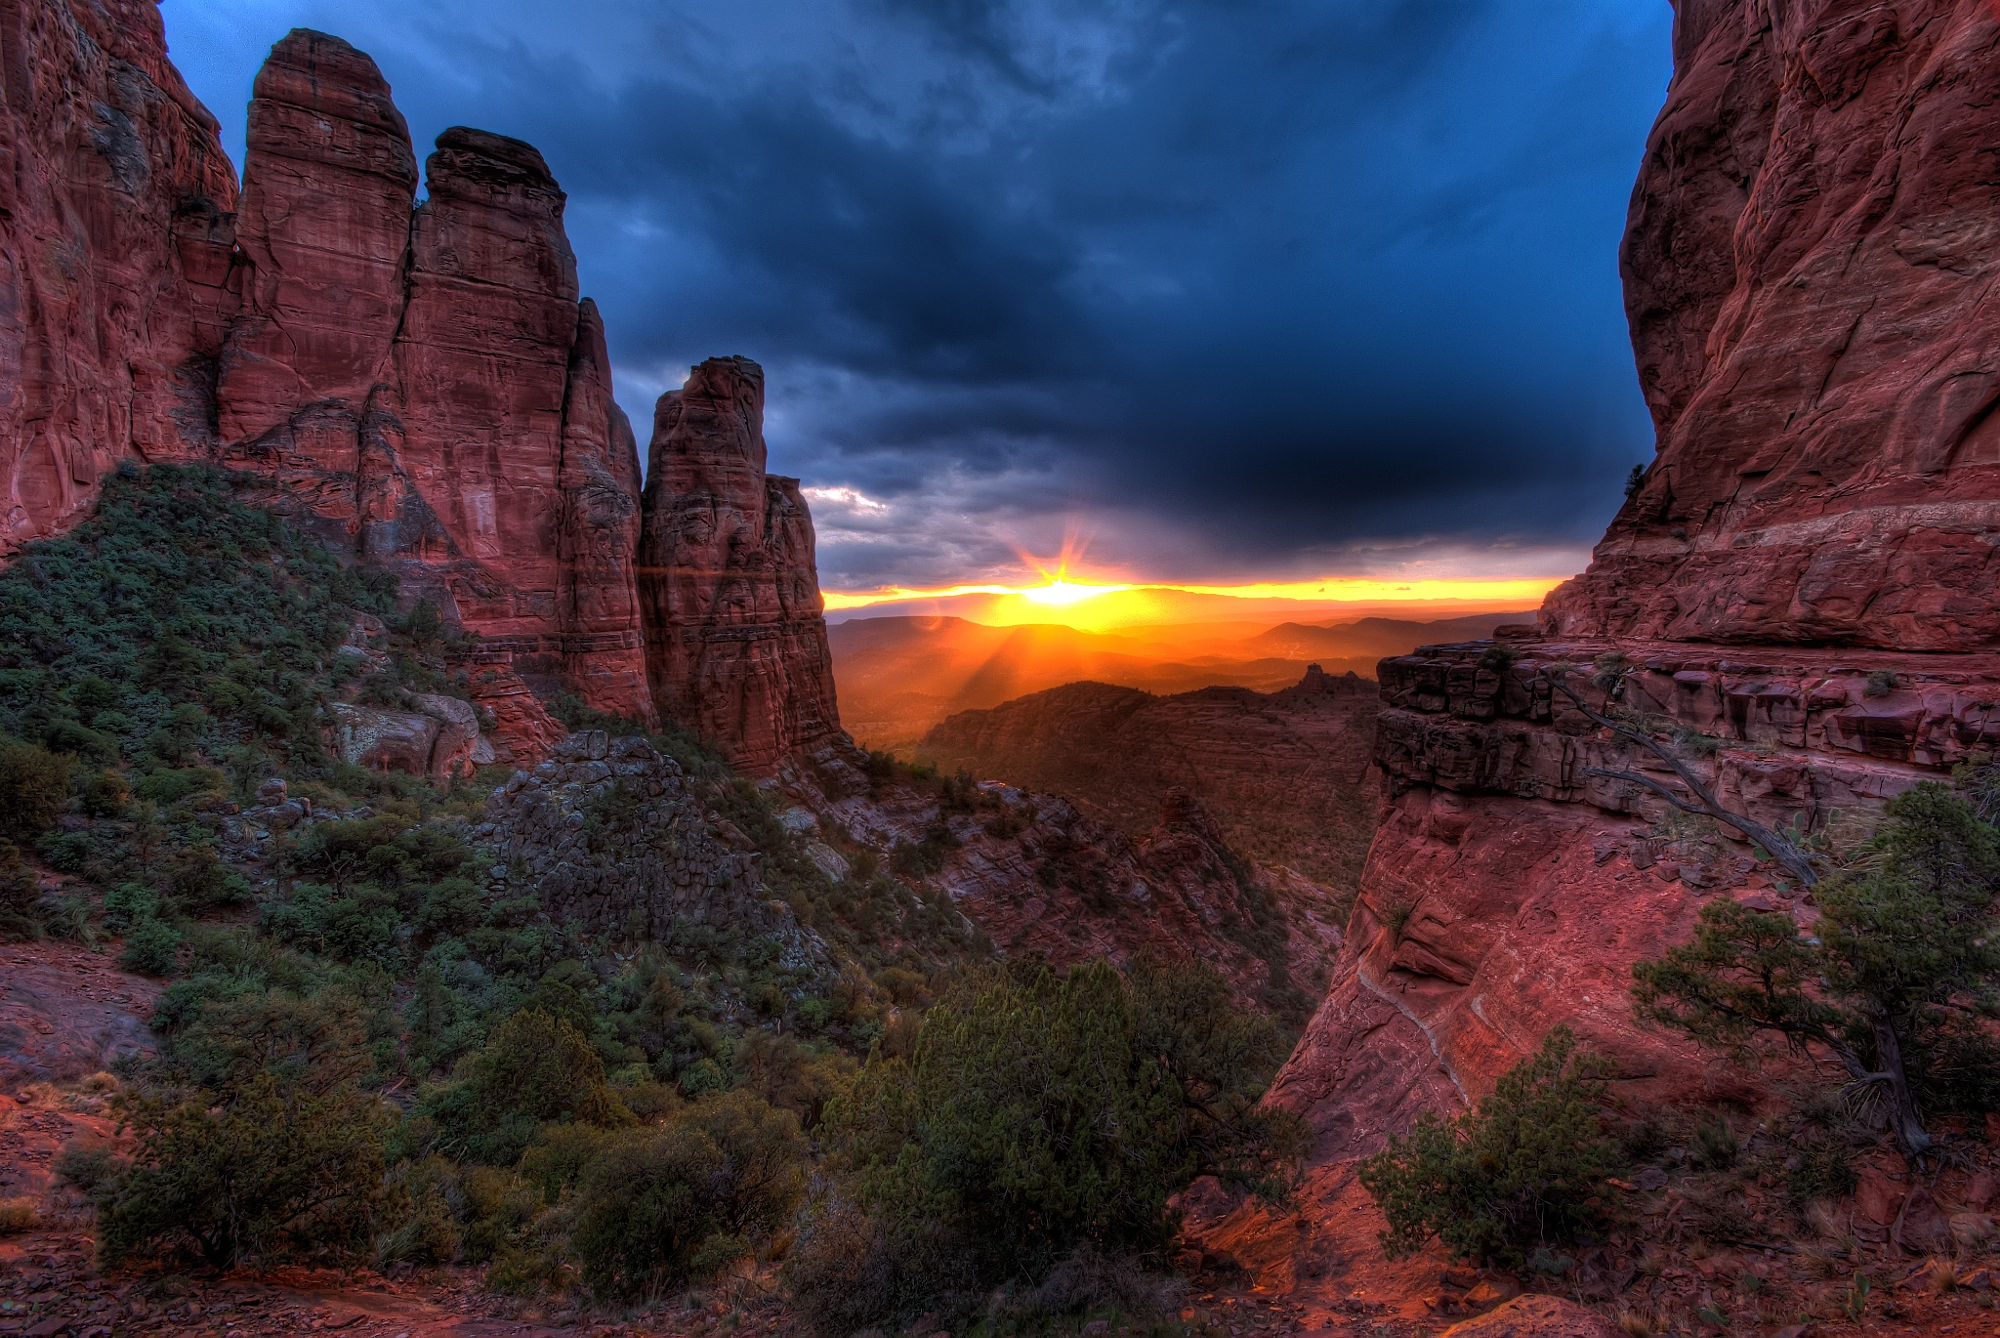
column 1091, row 604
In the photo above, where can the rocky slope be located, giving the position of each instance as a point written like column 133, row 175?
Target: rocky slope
column 1794, row 596
column 1286, row 774
column 1038, row 877
column 423, row 384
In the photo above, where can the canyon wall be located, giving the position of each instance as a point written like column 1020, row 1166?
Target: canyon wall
column 421, row 385
column 1799, row 591
column 116, row 213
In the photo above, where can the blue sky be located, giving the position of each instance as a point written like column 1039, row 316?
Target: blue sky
column 1223, row 290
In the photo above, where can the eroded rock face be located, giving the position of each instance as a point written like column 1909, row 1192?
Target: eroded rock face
column 116, row 216
column 735, row 632
column 423, row 382
column 1811, row 250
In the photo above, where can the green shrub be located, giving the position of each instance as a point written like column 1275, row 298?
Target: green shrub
column 1521, row 1172
column 271, row 1170
column 152, row 948
column 667, row 1206
column 535, row 1068
column 34, row 788
column 1897, row 985
column 279, row 1155
column 1040, row 1115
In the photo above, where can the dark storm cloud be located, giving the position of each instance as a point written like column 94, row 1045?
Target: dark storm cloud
column 1229, row 288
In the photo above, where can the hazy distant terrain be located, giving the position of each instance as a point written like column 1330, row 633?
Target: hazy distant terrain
column 897, row 677
column 1284, row 774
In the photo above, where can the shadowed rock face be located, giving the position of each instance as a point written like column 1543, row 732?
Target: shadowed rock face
column 418, row 384
column 1809, row 273
column 116, row 218
column 735, row 632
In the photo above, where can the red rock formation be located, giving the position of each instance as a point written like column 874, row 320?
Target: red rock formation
column 324, row 231
column 418, row 384
column 1808, row 271
column 735, row 637
column 424, row 379
column 1805, row 273
column 115, row 207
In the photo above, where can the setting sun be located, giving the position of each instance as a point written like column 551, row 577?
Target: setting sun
column 1061, row 593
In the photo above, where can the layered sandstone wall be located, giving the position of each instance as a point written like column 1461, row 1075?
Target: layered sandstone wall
column 1798, row 597
column 116, row 214
column 1809, row 274
column 421, row 384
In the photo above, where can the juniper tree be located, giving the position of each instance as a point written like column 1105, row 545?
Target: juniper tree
column 1903, row 967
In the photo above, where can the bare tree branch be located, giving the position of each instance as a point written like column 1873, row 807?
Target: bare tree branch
column 1780, row 848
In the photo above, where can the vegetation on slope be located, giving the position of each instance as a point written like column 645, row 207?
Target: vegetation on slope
column 372, row 1049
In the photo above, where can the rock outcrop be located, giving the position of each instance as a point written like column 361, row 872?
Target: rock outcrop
column 608, row 836
column 116, row 210
column 1797, row 598
column 421, row 384
column 1809, row 270
column 735, row 630
column 1286, row 774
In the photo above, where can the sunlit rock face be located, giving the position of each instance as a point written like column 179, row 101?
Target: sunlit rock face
column 116, row 213
column 1802, row 586
column 1811, row 249
column 419, row 384
column 424, row 381
column 735, row 629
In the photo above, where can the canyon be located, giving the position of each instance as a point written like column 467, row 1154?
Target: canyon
column 421, row 384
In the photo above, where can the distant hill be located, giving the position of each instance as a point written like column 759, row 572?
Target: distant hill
column 898, row 676
column 1373, row 636
column 1286, row 775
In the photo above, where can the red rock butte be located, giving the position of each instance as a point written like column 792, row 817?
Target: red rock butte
column 421, row 385
column 1804, row 577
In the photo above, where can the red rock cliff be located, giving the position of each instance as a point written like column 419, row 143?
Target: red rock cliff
column 116, row 206
column 1809, row 271
column 735, row 632
column 419, row 384
column 425, row 380
column 1804, row 579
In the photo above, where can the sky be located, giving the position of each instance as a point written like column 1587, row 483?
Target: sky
column 1191, row 291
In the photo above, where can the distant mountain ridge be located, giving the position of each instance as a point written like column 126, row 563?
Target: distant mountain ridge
column 1285, row 774
column 901, row 675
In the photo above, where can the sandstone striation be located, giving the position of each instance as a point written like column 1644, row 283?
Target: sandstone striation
column 1808, row 273
column 735, row 631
